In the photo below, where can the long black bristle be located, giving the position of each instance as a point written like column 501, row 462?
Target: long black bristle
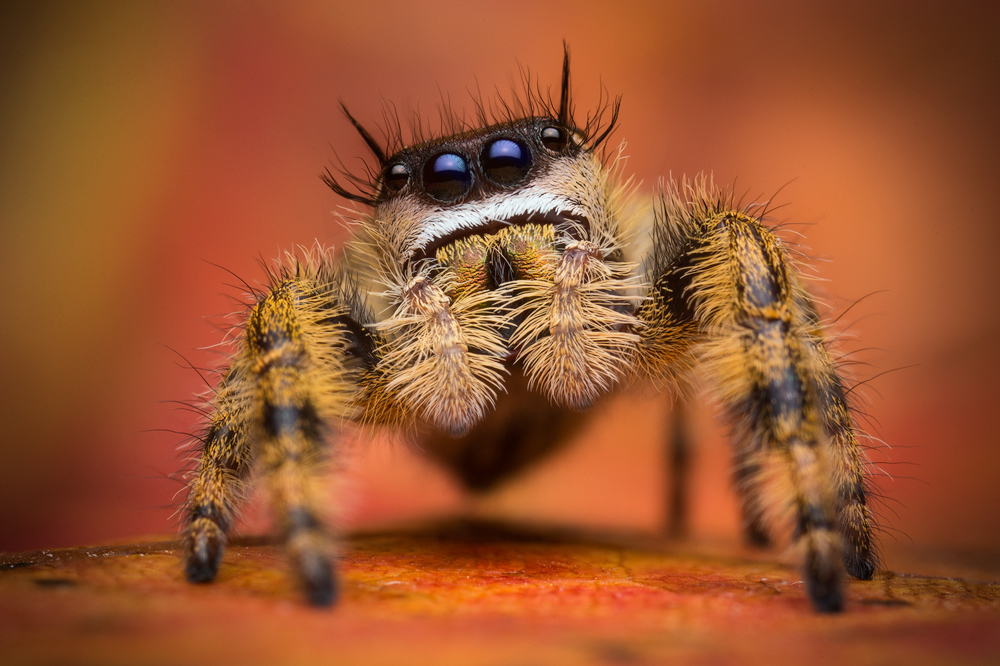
column 369, row 140
column 564, row 103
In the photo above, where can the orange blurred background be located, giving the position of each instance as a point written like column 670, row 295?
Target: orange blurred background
column 142, row 144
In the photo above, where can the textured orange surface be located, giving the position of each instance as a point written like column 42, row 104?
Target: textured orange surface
column 468, row 597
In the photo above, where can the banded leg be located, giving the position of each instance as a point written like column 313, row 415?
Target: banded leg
column 855, row 519
column 765, row 357
column 292, row 394
column 217, row 487
column 290, row 380
column 726, row 273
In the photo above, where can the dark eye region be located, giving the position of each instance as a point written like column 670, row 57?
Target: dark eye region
column 447, row 177
column 506, row 161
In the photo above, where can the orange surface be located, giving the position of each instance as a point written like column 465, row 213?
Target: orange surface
column 479, row 595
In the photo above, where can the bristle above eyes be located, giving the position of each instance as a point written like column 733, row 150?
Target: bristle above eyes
column 526, row 100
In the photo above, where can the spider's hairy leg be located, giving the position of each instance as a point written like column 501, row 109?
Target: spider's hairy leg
column 722, row 277
column 217, row 486
column 764, row 353
column 855, row 518
column 291, row 380
column 290, row 451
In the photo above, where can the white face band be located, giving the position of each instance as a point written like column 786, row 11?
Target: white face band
column 532, row 200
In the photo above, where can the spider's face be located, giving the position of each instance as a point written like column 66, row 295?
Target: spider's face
column 532, row 171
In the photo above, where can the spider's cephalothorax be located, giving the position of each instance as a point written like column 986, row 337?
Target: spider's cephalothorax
column 496, row 289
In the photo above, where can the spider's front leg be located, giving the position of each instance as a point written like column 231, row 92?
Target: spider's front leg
column 721, row 274
column 293, row 378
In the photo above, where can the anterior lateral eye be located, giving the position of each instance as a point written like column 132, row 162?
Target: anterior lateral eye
column 506, row 161
column 447, row 177
column 396, row 177
column 555, row 138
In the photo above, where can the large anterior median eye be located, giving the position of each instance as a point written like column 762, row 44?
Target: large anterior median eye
column 506, row 161
column 447, row 177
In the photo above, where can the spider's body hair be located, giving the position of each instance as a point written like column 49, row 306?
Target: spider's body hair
column 532, row 273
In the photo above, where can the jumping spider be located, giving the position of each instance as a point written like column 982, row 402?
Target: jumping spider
column 499, row 263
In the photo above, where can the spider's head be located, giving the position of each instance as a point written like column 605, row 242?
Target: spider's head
column 536, row 168
column 533, row 170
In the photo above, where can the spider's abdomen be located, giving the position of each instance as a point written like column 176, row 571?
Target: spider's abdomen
column 518, row 432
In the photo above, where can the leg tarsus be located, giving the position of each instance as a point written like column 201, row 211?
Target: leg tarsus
column 309, row 548
column 215, row 490
column 824, row 585
column 203, row 551
column 317, row 578
column 822, row 568
column 862, row 568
